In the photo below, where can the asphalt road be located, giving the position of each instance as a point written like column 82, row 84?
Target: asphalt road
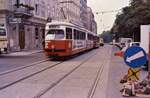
column 8, row 62
column 75, row 85
column 83, row 76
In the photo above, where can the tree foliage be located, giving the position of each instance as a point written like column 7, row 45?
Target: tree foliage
column 107, row 36
column 127, row 23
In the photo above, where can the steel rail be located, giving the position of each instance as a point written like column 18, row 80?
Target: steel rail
column 33, row 74
column 43, row 92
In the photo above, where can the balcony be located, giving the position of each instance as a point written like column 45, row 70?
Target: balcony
column 22, row 10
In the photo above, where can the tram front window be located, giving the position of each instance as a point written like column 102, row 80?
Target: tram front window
column 55, row 34
column 2, row 32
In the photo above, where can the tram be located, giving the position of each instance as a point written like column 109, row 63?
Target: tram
column 65, row 39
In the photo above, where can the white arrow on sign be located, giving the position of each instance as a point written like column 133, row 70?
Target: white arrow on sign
column 135, row 56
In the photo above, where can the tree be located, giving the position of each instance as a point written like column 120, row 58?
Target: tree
column 127, row 23
column 107, row 36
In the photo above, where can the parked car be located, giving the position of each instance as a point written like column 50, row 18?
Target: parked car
column 134, row 43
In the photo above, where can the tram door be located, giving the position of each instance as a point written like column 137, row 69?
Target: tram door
column 21, row 37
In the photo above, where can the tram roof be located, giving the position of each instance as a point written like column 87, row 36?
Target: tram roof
column 65, row 24
column 60, row 23
column 68, row 24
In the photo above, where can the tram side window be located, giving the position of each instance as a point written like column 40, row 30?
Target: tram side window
column 68, row 33
column 75, row 34
column 78, row 34
column 83, row 36
column 90, row 37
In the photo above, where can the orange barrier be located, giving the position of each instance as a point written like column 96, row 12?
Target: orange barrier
column 119, row 53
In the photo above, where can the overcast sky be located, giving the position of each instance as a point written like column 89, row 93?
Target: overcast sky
column 106, row 20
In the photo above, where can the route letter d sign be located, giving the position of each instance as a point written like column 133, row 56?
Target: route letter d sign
column 135, row 56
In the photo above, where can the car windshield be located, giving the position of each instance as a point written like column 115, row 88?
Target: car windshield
column 54, row 34
column 2, row 32
column 136, row 44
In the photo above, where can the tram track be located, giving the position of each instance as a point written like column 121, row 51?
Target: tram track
column 41, row 93
column 28, row 76
column 35, row 73
column 95, row 84
column 98, row 89
column 23, row 67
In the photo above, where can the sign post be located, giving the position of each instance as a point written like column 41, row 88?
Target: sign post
column 133, row 74
column 135, row 57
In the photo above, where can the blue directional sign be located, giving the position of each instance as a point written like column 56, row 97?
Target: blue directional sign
column 135, row 57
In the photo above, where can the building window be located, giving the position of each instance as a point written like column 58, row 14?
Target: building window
column 43, row 33
column 36, row 9
column 43, row 9
column 36, row 33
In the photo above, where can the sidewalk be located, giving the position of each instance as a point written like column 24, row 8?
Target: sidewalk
column 117, row 70
column 24, row 53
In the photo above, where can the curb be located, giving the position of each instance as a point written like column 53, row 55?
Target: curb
column 23, row 53
column 143, row 96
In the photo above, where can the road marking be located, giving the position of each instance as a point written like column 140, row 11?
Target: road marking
column 135, row 56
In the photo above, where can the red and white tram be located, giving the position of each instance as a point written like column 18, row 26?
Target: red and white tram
column 65, row 39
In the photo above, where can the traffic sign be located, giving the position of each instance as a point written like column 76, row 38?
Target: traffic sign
column 135, row 57
column 134, row 74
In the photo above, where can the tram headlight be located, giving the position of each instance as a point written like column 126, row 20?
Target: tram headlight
column 46, row 45
column 52, row 46
column 69, row 45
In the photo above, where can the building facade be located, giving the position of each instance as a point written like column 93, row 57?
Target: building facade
column 53, row 10
column 84, row 17
column 25, row 19
column 87, row 17
column 75, row 11
column 65, row 10
column 94, row 26
column 25, row 22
